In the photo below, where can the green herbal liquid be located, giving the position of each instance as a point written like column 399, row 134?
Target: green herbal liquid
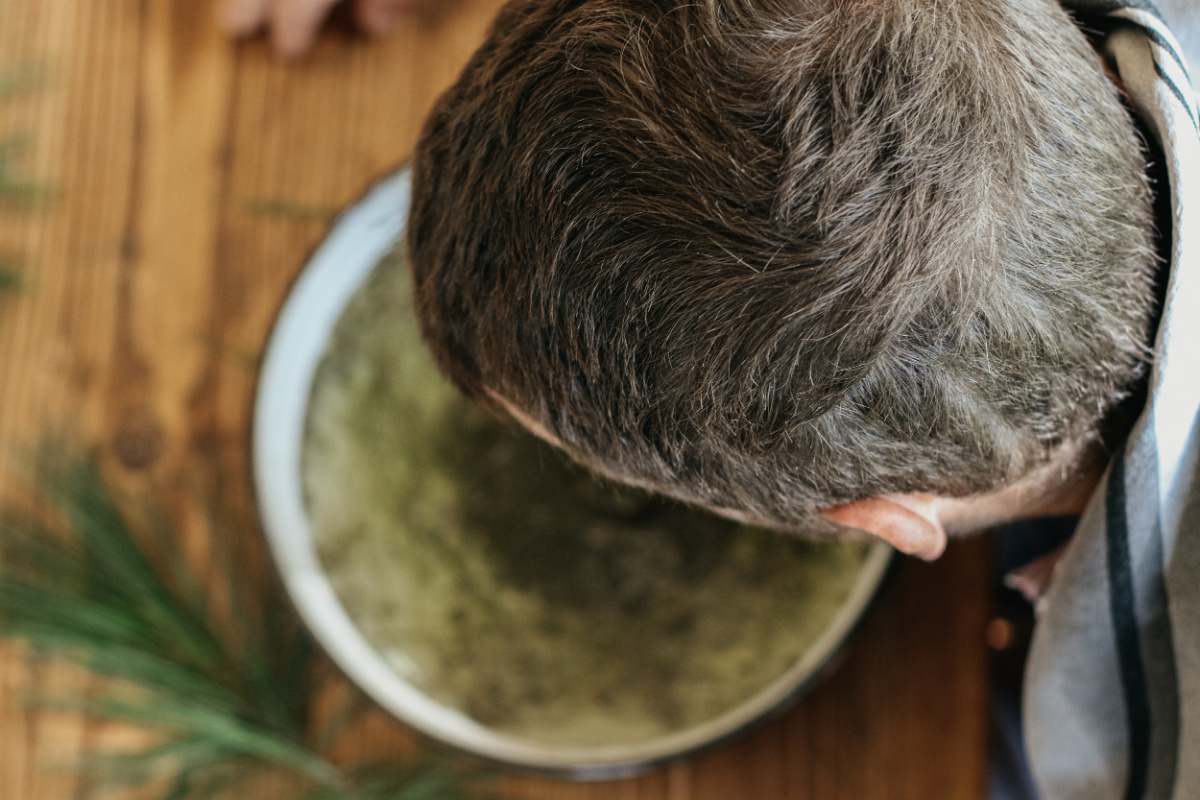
column 513, row 586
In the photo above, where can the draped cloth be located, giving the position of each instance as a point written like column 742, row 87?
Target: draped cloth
column 1112, row 693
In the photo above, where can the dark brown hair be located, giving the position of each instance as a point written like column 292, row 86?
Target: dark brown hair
column 775, row 255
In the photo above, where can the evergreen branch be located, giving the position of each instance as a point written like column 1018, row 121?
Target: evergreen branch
column 23, row 78
column 121, row 581
column 13, row 145
column 229, row 704
column 222, row 733
column 289, row 209
column 15, row 190
column 421, row 780
column 22, row 192
column 10, row 279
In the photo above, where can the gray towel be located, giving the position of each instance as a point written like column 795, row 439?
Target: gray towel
column 1112, row 697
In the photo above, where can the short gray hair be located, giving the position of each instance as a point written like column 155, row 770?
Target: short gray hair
column 777, row 255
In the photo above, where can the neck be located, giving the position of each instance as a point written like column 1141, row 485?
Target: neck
column 1061, row 487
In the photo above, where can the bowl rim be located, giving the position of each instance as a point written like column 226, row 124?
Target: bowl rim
column 357, row 240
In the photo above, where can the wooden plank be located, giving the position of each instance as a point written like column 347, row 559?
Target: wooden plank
column 15, row 755
column 54, row 337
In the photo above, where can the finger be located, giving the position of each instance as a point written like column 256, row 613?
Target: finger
column 294, row 23
column 242, row 17
column 380, row 16
column 1034, row 579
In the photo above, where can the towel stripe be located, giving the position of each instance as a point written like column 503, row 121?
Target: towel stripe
column 1125, row 625
column 1179, row 95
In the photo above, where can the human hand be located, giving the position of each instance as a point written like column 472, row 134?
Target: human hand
column 293, row 24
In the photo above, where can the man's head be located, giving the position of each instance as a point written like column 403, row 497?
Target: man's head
column 774, row 256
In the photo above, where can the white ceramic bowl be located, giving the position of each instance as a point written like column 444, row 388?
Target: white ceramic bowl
column 360, row 237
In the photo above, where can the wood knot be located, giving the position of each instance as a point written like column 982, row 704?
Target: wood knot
column 138, row 440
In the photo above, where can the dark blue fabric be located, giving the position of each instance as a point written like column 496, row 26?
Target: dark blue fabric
column 1008, row 776
column 1014, row 546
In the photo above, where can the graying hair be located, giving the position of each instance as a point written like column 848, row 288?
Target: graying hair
column 777, row 255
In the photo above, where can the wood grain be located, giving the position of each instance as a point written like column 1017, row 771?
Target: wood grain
column 155, row 272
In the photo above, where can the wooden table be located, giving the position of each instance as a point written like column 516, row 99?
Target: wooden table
column 191, row 176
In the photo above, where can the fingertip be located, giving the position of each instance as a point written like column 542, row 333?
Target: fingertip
column 291, row 44
column 294, row 25
column 379, row 17
column 241, row 17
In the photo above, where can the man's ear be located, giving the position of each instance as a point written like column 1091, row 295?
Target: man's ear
column 908, row 522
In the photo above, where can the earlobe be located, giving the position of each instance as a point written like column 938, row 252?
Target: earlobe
column 908, row 522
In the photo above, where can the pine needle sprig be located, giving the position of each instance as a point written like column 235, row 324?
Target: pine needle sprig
column 22, row 79
column 16, row 190
column 289, row 209
column 421, row 780
column 229, row 705
column 10, row 279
